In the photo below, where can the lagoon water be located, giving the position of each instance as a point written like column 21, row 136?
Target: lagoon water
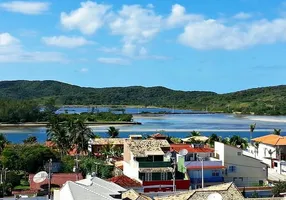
column 177, row 125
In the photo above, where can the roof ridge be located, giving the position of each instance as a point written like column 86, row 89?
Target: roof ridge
column 90, row 190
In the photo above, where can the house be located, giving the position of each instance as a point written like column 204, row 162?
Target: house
column 133, row 195
column 96, row 145
column 243, row 170
column 271, row 149
column 227, row 191
column 196, row 157
column 158, row 136
column 89, row 189
column 147, row 162
column 58, row 180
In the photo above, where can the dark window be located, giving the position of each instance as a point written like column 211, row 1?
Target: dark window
column 232, row 169
column 215, row 173
column 239, row 153
column 275, row 164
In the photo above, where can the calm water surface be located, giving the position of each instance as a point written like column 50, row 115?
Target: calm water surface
column 177, row 125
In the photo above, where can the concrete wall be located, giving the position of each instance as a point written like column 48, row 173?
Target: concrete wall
column 248, row 171
column 126, row 152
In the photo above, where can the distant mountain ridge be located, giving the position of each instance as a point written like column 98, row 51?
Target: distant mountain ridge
column 264, row 100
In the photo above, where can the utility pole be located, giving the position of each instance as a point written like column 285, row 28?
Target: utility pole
column 76, row 166
column 50, row 177
column 174, row 173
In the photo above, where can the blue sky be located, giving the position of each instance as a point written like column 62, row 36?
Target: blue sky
column 210, row 45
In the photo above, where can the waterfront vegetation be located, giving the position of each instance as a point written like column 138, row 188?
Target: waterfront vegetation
column 260, row 101
column 21, row 111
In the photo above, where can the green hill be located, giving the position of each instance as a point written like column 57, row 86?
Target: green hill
column 267, row 100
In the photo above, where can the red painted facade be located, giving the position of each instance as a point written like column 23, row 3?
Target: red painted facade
column 163, row 186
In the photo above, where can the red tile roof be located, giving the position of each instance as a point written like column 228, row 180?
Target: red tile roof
column 190, row 149
column 271, row 139
column 205, row 167
column 57, row 179
column 125, row 181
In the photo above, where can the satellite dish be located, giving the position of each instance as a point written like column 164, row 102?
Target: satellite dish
column 183, row 152
column 40, row 177
column 214, row 196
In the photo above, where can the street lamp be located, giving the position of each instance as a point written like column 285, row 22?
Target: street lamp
column 202, row 161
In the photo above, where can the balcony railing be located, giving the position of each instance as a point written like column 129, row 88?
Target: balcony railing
column 207, row 180
column 154, row 164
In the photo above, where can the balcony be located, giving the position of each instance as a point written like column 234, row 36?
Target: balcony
column 154, row 164
column 207, row 180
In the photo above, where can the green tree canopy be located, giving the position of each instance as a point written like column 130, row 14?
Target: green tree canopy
column 113, row 132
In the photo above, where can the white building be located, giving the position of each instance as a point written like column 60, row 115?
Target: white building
column 270, row 149
column 89, row 189
column 239, row 168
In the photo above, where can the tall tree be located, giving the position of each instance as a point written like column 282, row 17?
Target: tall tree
column 59, row 135
column 278, row 188
column 195, row 133
column 238, row 141
column 113, row 132
column 30, row 140
column 277, row 131
column 252, row 128
column 80, row 135
column 3, row 142
column 213, row 138
column 256, row 146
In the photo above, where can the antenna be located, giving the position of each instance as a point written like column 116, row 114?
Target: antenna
column 214, row 196
column 40, row 177
column 183, row 152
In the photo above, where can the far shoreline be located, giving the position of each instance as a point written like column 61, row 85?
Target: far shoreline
column 44, row 124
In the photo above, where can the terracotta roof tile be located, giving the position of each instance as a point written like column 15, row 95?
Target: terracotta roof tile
column 178, row 147
column 125, row 181
column 271, row 139
column 105, row 141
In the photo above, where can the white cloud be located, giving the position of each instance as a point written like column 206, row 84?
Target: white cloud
column 113, row 61
column 84, row 70
column 11, row 51
column 88, row 18
column 64, row 41
column 212, row 34
column 25, row 7
column 179, row 16
column 242, row 16
column 7, row 40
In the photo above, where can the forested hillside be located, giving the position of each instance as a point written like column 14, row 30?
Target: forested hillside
column 267, row 100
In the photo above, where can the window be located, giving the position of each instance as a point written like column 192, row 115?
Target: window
column 215, row 173
column 231, row 169
column 164, row 176
column 239, row 153
column 148, row 176
column 275, row 164
column 265, row 152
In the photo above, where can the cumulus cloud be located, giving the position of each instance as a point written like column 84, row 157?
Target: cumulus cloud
column 25, row 7
column 179, row 17
column 11, row 51
column 113, row 61
column 88, row 18
column 66, row 42
column 242, row 15
column 211, row 34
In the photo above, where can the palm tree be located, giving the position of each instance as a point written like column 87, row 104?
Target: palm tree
column 252, row 128
column 113, row 132
column 238, row 141
column 195, row 133
column 225, row 140
column 277, row 131
column 256, row 146
column 3, row 142
column 213, row 138
column 59, row 135
column 80, row 135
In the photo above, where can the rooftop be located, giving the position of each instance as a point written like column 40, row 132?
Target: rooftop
column 91, row 188
column 205, row 167
column 197, row 138
column 275, row 140
column 133, row 195
column 105, row 141
column 226, row 191
column 158, row 135
column 143, row 148
column 190, row 149
column 125, row 181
